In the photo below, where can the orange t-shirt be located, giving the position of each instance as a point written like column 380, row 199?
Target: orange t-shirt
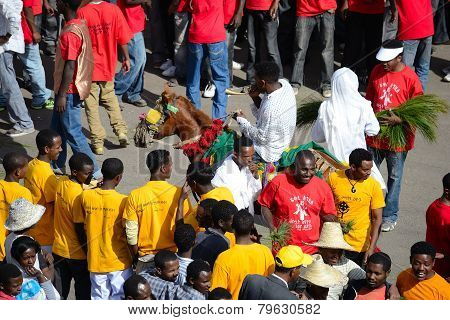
column 435, row 288
column 375, row 294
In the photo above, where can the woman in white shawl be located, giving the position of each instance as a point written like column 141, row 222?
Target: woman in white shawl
column 345, row 119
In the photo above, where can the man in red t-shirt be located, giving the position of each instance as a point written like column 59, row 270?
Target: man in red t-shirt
column 364, row 25
column 129, row 85
column 416, row 30
column 438, row 229
column 300, row 198
column 391, row 84
column 108, row 30
column 312, row 13
column 262, row 22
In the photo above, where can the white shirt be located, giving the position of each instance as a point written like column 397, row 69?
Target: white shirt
column 10, row 22
column 275, row 122
column 244, row 187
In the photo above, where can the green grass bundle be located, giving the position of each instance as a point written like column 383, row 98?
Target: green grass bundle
column 307, row 113
column 282, row 234
column 347, row 226
column 420, row 113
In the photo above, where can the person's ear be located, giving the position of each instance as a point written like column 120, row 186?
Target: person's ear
column 158, row 271
column 387, row 273
column 47, row 149
column 190, row 281
column 118, row 178
column 221, row 223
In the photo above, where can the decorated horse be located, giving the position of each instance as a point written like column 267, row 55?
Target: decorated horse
column 211, row 141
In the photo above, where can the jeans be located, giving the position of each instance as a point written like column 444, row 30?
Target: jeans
column 362, row 29
column 132, row 82
column 161, row 30
column 440, row 25
column 17, row 110
column 217, row 54
column 304, row 28
column 181, row 22
column 389, row 28
column 32, row 63
column 417, row 54
column 260, row 23
column 69, row 269
column 395, row 163
column 68, row 125
column 231, row 38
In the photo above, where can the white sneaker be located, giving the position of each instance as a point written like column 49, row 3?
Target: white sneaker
column 170, row 72
column 326, row 93
column 210, row 90
column 446, row 70
column 446, row 78
column 237, row 65
column 14, row 133
column 166, row 65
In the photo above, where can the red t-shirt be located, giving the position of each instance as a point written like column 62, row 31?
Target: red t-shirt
column 308, row 8
column 70, row 45
column 229, row 9
column 366, row 6
column 438, row 234
column 372, row 294
column 107, row 28
column 300, row 205
column 207, row 22
column 27, row 33
column 134, row 14
column 387, row 90
column 415, row 19
column 37, row 7
column 183, row 6
column 262, row 5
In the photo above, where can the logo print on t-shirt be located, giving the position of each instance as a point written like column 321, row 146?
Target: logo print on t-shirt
column 301, row 211
column 343, row 208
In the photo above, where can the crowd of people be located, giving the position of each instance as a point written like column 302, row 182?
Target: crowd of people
column 58, row 226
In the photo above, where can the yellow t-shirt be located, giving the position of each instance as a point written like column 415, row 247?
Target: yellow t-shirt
column 41, row 181
column 356, row 206
column 67, row 213
column 9, row 192
column 233, row 265
column 107, row 244
column 154, row 207
column 435, row 288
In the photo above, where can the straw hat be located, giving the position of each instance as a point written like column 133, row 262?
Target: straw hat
column 322, row 275
column 292, row 257
column 23, row 214
column 331, row 237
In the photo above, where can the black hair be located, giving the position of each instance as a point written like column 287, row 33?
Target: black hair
column 79, row 160
column 156, row 159
column 392, row 44
column 423, row 247
column 164, row 256
column 184, row 237
column 381, row 258
column 303, row 154
column 73, row 4
column 242, row 142
column 22, row 244
column 357, row 156
column 243, row 223
column 8, row 271
column 446, row 181
column 200, row 173
column 223, row 210
column 208, row 204
column 219, row 293
column 195, row 268
column 13, row 161
column 131, row 285
column 111, row 168
column 46, row 138
column 282, row 269
column 267, row 71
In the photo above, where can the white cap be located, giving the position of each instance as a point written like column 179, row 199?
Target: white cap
column 387, row 54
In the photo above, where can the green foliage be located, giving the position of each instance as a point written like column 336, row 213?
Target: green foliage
column 348, row 226
column 307, row 113
column 282, row 234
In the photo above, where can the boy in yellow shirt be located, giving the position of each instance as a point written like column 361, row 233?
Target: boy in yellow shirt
column 41, row 181
column 16, row 166
column 109, row 259
column 69, row 247
column 150, row 212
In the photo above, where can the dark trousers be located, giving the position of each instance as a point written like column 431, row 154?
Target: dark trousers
column 68, row 269
column 260, row 24
column 356, row 257
column 162, row 31
column 363, row 30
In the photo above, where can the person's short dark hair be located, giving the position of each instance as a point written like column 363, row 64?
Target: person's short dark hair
column 243, row 223
column 219, row 293
column 304, row 154
column 73, row 4
column 13, row 161
column 200, row 172
column 267, row 71
column 45, row 138
column 282, row 269
column 8, row 271
column 223, row 210
column 22, row 244
column 242, row 142
column 79, row 160
column 392, row 44
column 184, row 237
column 208, row 204
column 423, row 247
column 446, row 181
column 381, row 258
column 164, row 256
column 111, row 168
column 156, row 159
column 357, row 156
column 131, row 285
column 195, row 268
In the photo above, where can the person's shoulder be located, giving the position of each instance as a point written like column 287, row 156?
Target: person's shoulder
column 319, row 183
column 405, row 276
column 409, row 73
column 440, row 282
